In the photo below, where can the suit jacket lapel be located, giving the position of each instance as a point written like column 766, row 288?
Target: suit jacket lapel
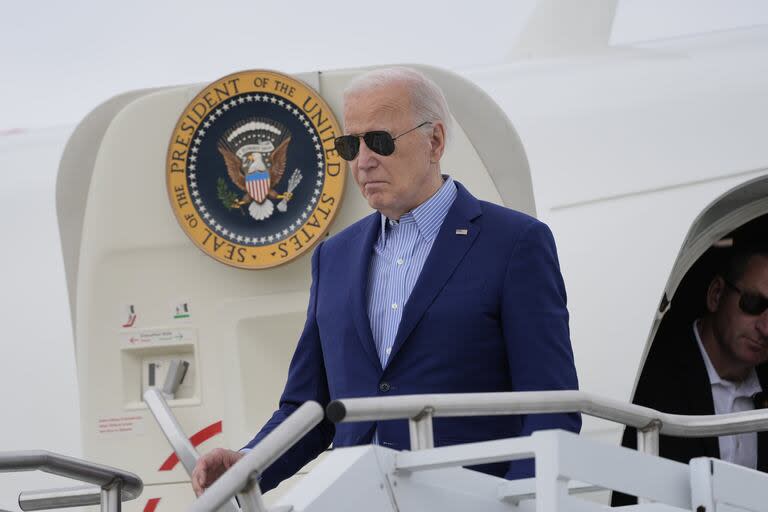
column 359, row 265
column 447, row 252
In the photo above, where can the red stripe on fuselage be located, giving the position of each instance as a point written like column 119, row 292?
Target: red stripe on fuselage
column 151, row 505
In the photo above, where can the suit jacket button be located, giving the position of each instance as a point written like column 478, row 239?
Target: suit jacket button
column 384, row 387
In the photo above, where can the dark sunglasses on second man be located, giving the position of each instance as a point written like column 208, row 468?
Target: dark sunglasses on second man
column 380, row 142
column 749, row 302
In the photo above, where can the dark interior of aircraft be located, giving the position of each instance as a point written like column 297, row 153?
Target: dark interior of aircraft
column 688, row 303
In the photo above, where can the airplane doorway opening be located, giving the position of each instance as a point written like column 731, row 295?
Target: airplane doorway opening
column 689, row 300
column 738, row 216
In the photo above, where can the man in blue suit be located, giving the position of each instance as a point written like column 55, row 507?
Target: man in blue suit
column 436, row 292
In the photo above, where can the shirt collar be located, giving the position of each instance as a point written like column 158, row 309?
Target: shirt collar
column 429, row 215
column 747, row 387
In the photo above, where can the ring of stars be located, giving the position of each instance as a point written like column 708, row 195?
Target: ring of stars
column 319, row 179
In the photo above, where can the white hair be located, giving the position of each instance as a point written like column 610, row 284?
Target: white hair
column 427, row 100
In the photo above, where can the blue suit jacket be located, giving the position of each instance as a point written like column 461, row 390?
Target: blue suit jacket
column 488, row 313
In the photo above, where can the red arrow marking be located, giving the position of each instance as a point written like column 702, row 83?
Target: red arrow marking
column 197, row 439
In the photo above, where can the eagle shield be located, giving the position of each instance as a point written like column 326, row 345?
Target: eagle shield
column 255, row 152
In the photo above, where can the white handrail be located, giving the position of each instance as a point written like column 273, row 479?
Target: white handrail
column 420, row 409
column 533, row 402
column 114, row 485
column 171, row 429
column 80, row 496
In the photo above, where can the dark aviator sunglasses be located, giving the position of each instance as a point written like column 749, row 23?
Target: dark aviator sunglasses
column 379, row 141
column 750, row 303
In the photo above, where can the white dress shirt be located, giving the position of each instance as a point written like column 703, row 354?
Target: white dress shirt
column 730, row 397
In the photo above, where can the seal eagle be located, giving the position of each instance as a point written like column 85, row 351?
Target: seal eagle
column 255, row 154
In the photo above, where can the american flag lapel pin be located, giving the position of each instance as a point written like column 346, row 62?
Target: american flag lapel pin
column 462, row 231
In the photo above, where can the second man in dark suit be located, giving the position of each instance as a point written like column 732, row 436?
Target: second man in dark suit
column 715, row 364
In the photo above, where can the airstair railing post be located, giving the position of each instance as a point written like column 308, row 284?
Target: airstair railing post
column 648, row 442
column 250, row 497
column 110, row 497
column 648, row 438
column 420, row 427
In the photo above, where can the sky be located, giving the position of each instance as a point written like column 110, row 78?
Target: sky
column 61, row 59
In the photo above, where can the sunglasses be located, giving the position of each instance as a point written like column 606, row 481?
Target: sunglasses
column 750, row 303
column 380, row 142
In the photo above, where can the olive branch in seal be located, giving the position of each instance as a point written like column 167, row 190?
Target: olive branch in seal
column 226, row 196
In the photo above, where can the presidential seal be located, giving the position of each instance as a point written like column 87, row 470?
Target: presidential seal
column 253, row 176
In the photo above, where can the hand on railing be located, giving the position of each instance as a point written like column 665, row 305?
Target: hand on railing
column 243, row 474
column 211, row 466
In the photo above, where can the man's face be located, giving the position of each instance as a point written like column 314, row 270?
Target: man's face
column 742, row 338
column 397, row 183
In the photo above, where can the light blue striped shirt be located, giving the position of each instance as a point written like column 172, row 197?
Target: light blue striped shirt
column 399, row 255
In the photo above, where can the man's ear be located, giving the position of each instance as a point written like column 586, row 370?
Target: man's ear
column 437, row 142
column 715, row 293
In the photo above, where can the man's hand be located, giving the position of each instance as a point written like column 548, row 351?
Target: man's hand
column 211, row 466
